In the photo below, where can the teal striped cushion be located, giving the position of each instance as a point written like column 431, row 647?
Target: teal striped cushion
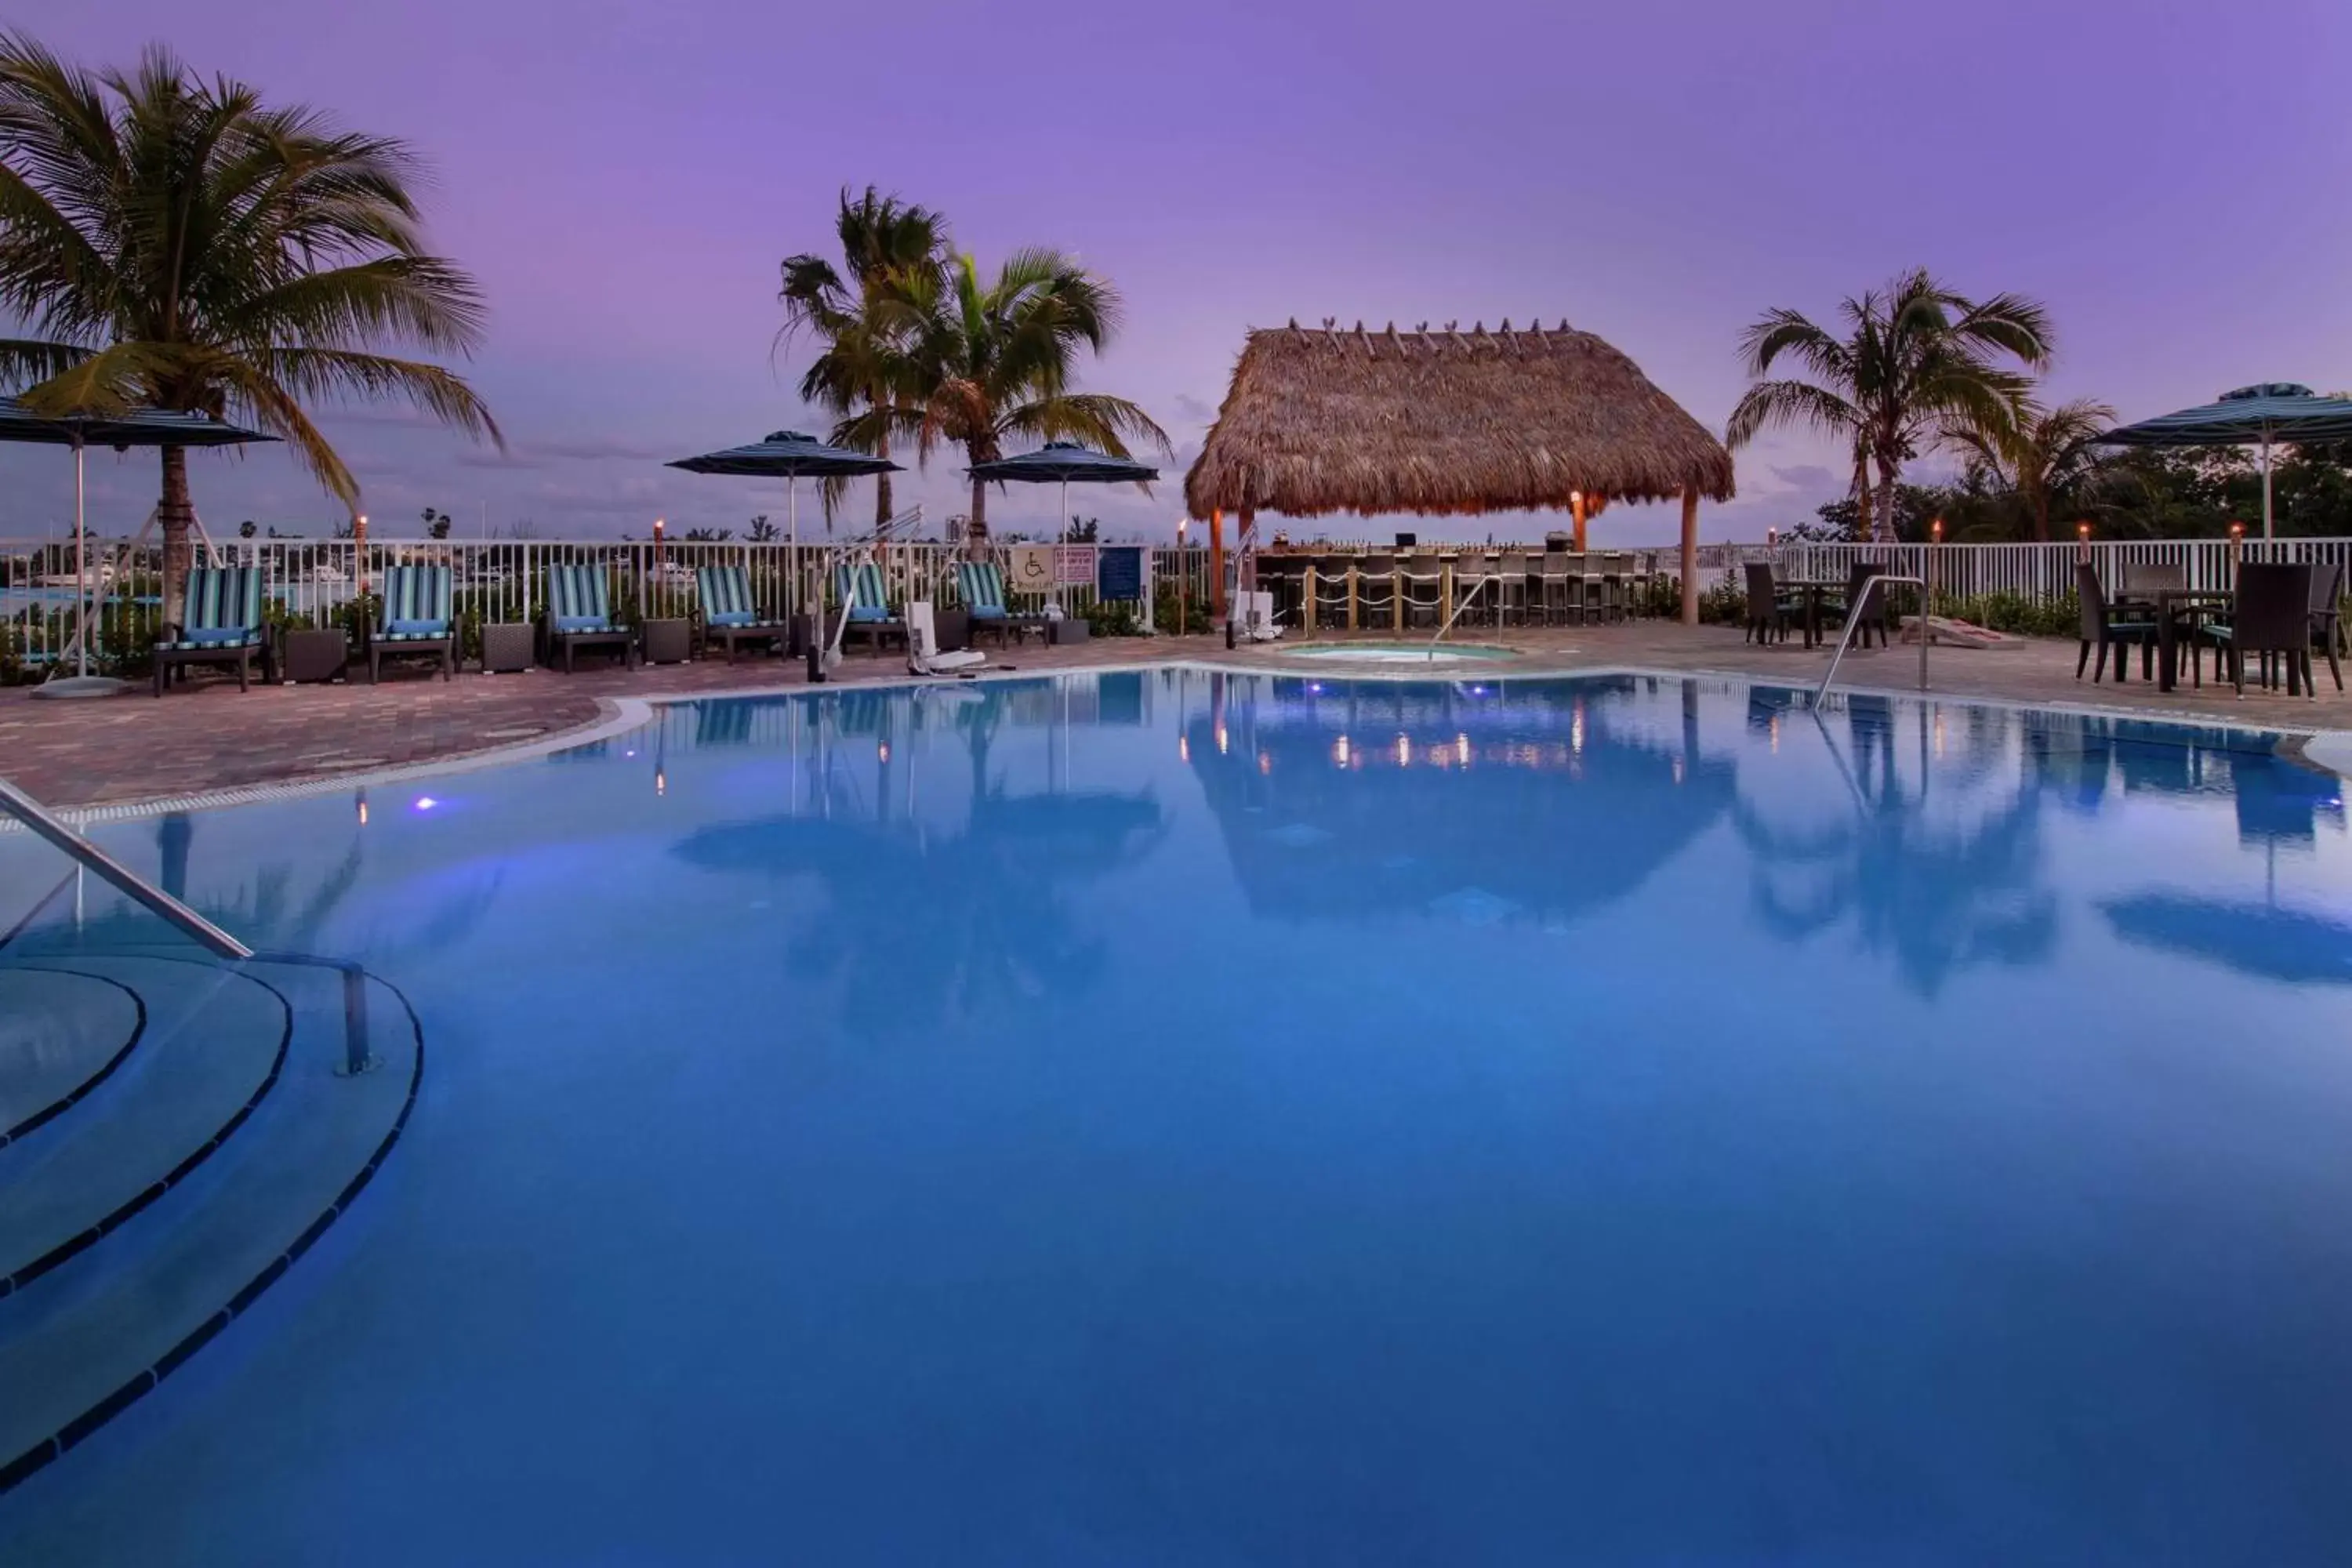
column 578, row 593
column 415, row 602
column 223, row 598
column 726, row 596
column 873, row 597
column 982, row 585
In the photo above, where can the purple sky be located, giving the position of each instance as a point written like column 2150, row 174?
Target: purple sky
column 623, row 178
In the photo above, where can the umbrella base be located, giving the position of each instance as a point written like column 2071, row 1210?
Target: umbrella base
column 67, row 687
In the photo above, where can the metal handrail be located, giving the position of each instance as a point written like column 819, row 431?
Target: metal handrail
column 39, row 818
column 1853, row 617
column 1490, row 577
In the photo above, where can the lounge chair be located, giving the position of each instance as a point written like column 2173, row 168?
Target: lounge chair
column 923, row 654
column 866, row 602
column 415, row 621
column 730, row 614
column 982, row 586
column 220, row 623
column 579, row 615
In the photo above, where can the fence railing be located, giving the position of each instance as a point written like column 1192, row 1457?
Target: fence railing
column 324, row 582
column 2041, row 573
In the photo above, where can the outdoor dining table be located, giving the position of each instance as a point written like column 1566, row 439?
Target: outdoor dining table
column 2169, row 602
column 1813, row 588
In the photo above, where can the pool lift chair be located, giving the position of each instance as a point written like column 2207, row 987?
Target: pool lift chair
column 923, row 654
column 824, row 650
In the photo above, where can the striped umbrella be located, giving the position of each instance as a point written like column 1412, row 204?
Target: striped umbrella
column 2252, row 415
column 135, row 427
column 790, row 455
column 1067, row 463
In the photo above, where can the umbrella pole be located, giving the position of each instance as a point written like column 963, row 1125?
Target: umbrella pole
column 81, row 566
column 2266, row 485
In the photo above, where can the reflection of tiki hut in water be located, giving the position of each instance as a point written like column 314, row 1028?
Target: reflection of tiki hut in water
column 1424, row 800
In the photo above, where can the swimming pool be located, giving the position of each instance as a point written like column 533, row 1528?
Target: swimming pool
column 1184, row 1116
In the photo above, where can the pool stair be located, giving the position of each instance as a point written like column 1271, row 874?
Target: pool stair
column 180, row 1129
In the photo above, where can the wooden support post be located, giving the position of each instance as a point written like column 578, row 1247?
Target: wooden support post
column 1690, row 557
column 1306, row 610
column 1396, row 596
column 1217, row 567
column 1354, row 574
column 1576, row 510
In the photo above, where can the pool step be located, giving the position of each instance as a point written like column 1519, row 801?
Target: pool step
column 86, row 1339
column 60, row 1036
column 215, row 1040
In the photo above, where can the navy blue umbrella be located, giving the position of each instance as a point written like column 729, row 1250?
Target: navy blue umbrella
column 134, row 427
column 2252, row 415
column 790, row 455
column 2293, row 945
column 1066, row 463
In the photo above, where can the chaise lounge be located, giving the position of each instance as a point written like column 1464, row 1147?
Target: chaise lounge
column 864, row 599
column 220, row 623
column 415, row 621
column 729, row 614
column 579, row 615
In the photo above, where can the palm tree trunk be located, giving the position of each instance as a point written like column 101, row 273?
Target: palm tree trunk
column 883, row 511
column 176, row 512
column 1883, row 525
column 975, row 532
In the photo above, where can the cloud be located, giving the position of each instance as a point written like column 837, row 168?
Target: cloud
column 1812, row 479
column 1193, row 408
column 531, row 454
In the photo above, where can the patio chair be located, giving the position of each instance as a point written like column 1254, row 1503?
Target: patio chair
column 2327, row 617
column 864, row 599
column 730, row 616
column 981, row 585
column 1769, row 611
column 1553, row 582
column 2108, row 626
column 1331, row 590
column 579, row 615
column 1875, row 616
column 220, row 623
column 1510, row 589
column 414, row 620
column 1376, row 587
column 2270, row 614
column 923, row 654
column 1423, row 581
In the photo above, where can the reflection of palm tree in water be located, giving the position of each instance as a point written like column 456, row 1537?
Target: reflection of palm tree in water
column 265, row 912
column 928, row 924
column 1939, row 898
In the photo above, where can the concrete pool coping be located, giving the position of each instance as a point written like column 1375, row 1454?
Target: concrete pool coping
column 2329, row 750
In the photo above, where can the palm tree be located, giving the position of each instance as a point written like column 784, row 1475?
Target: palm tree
column 996, row 361
column 175, row 244
column 1916, row 361
column 2046, row 454
column 893, row 255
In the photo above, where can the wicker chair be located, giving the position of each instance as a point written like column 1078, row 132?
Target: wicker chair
column 2106, row 626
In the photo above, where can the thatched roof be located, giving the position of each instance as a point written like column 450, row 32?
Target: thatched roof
column 1381, row 421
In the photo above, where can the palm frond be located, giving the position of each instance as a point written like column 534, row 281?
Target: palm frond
column 1770, row 404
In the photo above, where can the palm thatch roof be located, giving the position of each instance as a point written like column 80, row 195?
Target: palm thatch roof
column 1384, row 421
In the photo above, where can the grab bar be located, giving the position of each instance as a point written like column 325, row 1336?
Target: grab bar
column 1490, row 577
column 1853, row 617
column 39, row 817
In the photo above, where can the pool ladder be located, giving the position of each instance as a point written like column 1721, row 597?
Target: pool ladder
column 46, row 824
column 1854, row 617
column 1475, row 587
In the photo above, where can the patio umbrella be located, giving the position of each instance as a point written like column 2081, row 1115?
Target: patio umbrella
column 136, row 428
column 2252, row 415
column 1065, row 462
column 790, row 455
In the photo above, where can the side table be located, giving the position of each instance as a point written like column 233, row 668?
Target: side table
column 507, row 646
column 665, row 641
column 317, row 656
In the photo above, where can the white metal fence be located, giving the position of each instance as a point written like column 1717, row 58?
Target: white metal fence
column 325, row 583
column 2037, row 573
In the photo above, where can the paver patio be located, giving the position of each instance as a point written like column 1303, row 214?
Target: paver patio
column 209, row 736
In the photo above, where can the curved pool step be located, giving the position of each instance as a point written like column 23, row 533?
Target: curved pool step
column 215, row 1042
column 85, row 1341
column 61, row 1035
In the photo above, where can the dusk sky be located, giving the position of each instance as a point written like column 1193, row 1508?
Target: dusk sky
column 2172, row 179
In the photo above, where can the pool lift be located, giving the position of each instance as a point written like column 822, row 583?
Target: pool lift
column 1250, row 616
column 825, row 652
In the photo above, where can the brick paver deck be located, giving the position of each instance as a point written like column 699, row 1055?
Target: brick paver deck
column 209, row 736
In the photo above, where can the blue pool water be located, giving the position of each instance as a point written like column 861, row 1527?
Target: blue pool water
column 1177, row 1118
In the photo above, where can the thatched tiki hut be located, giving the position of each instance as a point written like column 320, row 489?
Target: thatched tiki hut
column 1450, row 422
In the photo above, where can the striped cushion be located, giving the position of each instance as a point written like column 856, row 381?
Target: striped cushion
column 222, row 641
column 981, row 583
column 577, row 600
column 415, row 602
column 226, row 598
column 873, row 597
column 725, row 592
column 728, row 617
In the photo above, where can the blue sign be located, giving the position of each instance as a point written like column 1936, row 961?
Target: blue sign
column 1118, row 572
